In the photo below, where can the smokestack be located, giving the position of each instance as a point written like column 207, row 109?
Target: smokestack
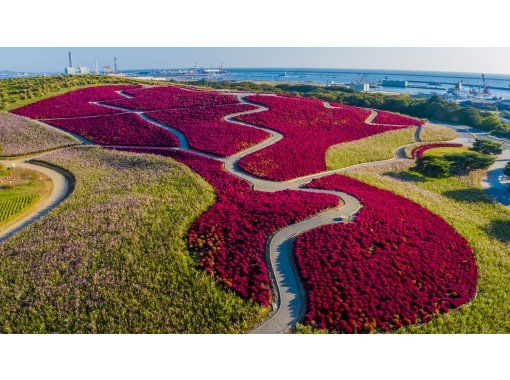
column 114, row 64
column 70, row 60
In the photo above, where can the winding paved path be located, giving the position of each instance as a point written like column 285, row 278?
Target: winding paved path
column 290, row 297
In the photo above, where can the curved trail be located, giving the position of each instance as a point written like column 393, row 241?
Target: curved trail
column 290, row 296
column 60, row 190
column 61, row 185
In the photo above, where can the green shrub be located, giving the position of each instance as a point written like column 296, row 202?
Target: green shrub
column 487, row 147
column 463, row 163
column 431, row 166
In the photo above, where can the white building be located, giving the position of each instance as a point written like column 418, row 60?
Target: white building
column 360, row 86
column 77, row 70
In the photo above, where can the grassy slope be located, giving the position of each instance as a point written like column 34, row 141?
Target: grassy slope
column 436, row 132
column 373, row 148
column 112, row 257
column 486, row 226
column 21, row 183
column 18, row 92
column 432, row 133
column 21, row 136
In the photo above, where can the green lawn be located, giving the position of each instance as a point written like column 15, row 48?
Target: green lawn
column 373, row 148
column 486, row 226
column 112, row 257
column 443, row 151
column 20, row 189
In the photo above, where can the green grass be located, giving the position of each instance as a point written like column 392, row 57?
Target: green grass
column 486, row 226
column 17, row 92
column 373, row 148
column 112, row 257
column 12, row 206
column 20, row 189
column 436, row 132
column 443, row 151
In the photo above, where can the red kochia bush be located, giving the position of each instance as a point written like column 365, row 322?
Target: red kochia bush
column 73, row 103
column 206, row 130
column 419, row 150
column 391, row 118
column 309, row 129
column 396, row 264
column 120, row 129
column 229, row 239
column 154, row 98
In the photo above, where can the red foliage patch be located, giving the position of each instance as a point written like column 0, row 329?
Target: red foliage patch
column 155, row 98
column 229, row 240
column 206, row 130
column 73, row 103
column 120, row 129
column 309, row 129
column 391, row 118
column 419, row 150
column 396, row 264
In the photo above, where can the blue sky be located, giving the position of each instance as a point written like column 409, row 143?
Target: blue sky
column 487, row 60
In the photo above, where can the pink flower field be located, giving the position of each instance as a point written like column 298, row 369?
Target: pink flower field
column 160, row 97
column 206, row 130
column 73, row 103
column 396, row 264
column 309, row 129
column 120, row 129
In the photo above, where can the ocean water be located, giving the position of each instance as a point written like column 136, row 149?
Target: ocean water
column 424, row 82
column 499, row 84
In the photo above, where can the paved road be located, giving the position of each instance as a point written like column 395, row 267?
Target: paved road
column 491, row 182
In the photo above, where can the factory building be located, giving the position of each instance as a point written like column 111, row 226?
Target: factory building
column 71, row 70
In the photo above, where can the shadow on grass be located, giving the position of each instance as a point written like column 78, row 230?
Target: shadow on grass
column 500, row 229
column 405, row 176
column 468, row 195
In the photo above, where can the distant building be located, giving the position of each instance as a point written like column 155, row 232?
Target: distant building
column 394, row 83
column 77, row 70
column 107, row 69
column 360, row 86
